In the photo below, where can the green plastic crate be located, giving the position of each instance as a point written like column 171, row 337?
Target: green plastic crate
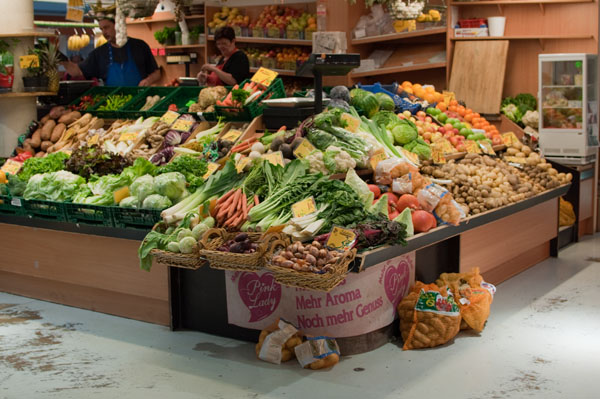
column 133, row 91
column 7, row 207
column 132, row 109
column 89, row 214
column 179, row 97
column 45, row 209
column 102, row 90
column 255, row 108
column 135, row 218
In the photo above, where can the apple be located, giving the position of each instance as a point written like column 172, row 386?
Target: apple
column 428, row 119
column 421, row 113
column 442, row 130
column 448, row 126
column 407, row 114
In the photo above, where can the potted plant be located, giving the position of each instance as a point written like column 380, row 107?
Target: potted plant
column 6, row 67
column 161, row 36
column 49, row 60
column 197, row 34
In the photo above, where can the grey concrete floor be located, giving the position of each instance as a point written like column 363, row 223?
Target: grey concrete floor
column 542, row 341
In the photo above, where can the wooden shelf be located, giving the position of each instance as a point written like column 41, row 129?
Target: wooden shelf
column 181, row 47
column 281, row 72
column 268, row 40
column 399, row 36
column 510, row 2
column 29, row 34
column 540, row 37
column 161, row 18
column 398, row 69
column 27, row 94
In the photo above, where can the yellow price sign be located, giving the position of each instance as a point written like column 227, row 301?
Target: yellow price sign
column 232, row 135
column 211, row 168
column 414, row 158
column 509, row 138
column 93, row 140
column 446, row 146
column 276, row 158
column 304, row 149
column 304, row 207
column 472, row 147
column 169, row 117
column 11, row 167
column 264, row 76
column 378, row 157
column 275, row 229
column 341, row 238
column 438, row 157
column 29, row 61
column 487, row 148
column 127, row 136
column 182, row 125
column 241, row 164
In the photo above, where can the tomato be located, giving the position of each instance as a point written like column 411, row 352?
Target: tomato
column 393, row 215
column 407, row 201
column 497, row 140
column 173, row 107
column 375, row 190
column 422, row 221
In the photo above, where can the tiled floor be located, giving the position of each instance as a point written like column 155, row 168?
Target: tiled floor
column 542, row 341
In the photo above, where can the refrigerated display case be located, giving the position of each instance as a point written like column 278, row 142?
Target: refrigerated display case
column 568, row 106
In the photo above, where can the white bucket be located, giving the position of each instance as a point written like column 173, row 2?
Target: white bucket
column 496, row 25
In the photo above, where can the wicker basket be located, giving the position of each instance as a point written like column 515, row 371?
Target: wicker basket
column 185, row 261
column 309, row 280
column 214, row 238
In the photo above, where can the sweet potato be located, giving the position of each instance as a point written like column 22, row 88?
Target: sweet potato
column 46, row 132
column 28, row 148
column 45, row 145
column 69, row 117
column 40, row 154
column 57, row 132
column 50, row 149
column 36, row 138
column 45, row 119
column 56, row 112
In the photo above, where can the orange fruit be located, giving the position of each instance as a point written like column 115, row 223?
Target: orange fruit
column 417, row 86
column 476, row 115
column 461, row 111
column 441, row 106
column 452, row 108
column 408, row 89
column 406, row 84
column 429, row 97
column 468, row 111
column 439, row 97
column 430, row 89
column 453, row 102
column 419, row 92
column 468, row 117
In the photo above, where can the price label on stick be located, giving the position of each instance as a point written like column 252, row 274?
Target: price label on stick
column 509, row 138
column 241, row 164
column 29, row 61
column 276, row 158
column 11, row 167
column 232, row 135
column 169, row 117
column 93, row 140
column 264, row 76
column 182, row 125
column 375, row 159
column 487, row 148
column 304, row 149
column 438, row 157
column 128, row 136
column 341, row 238
column 304, row 207
column 211, row 168
column 472, row 147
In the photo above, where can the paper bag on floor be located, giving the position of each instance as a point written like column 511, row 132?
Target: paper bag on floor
column 473, row 296
column 276, row 343
column 429, row 317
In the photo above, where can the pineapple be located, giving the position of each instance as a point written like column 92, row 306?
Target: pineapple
column 49, row 57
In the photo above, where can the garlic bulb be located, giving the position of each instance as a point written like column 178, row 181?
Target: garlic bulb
column 120, row 27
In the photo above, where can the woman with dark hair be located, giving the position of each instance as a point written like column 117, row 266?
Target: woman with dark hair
column 233, row 66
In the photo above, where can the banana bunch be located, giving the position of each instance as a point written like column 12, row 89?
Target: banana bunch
column 77, row 42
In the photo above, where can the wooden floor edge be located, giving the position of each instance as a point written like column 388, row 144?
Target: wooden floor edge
column 104, row 301
column 518, row 264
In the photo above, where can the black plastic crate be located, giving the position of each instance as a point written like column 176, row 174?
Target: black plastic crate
column 45, row 209
column 275, row 117
column 132, row 109
column 123, row 91
column 94, row 91
column 135, row 218
column 96, row 215
column 180, row 97
column 10, row 206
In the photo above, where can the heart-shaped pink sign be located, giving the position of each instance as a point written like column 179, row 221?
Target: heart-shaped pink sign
column 261, row 294
column 396, row 281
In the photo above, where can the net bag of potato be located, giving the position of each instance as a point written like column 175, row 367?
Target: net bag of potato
column 276, row 343
column 389, row 169
column 566, row 216
column 429, row 317
column 318, row 353
column 473, row 296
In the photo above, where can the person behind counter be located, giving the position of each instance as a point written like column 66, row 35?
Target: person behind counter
column 233, row 66
column 130, row 65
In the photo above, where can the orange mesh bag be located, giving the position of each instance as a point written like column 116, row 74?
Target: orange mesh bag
column 428, row 317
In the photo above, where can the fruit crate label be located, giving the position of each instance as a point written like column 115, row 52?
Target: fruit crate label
column 182, row 125
column 472, row 147
column 438, row 157
column 93, row 140
column 378, row 157
column 211, row 168
column 509, row 138
column 241, row 164
column 264, row 76
column 304, row 207
column 276, row 158
column 232, row 135
column 29, row 61
column 304, row 149
column 16, row 202
column 414, row 158
column 486, row 147
column 11, row 167
column 128, row 136
column 341, row 238
column 169, row 117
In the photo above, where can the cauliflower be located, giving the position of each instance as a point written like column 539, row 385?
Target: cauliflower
column 531, row 119
column 315, row 160
column 337, row 160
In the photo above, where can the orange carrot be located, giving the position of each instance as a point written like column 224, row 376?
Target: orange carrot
column 227, row 195
column 233, row 207
column 256, row 201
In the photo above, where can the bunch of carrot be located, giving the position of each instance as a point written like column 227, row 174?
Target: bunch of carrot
column 250, row 87
column 244, row 145
column 231, row 210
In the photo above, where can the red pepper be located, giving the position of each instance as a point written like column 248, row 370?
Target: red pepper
column 173, row 107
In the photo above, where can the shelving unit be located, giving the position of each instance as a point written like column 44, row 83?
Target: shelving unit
column 281, row 72
column 27, row 94
column 501, row 3
column 399, row 36
column 268, row 40
column 29, row 34
column 187, row 46
column 399, row 69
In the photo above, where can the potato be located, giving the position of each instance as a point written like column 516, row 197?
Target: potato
column 50, row 149
column 46, row 132
column 511, row 151
column 57, row 132
column 45, row 145
column 69, row 118
column 526, row 150
column 56, row 112
column 45, row 119
column 28, row 148
column 40, row 154
column 36, row 138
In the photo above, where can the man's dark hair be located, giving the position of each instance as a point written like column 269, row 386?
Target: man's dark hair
column 225, row 32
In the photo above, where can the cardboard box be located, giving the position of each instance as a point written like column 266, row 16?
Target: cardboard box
column 471, row 32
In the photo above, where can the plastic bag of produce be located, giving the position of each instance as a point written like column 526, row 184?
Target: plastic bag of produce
column 389, row 169
column 429, row 317
column 430, row 196
column 276, row 343
column 408, row 183
column 473, row 296
column 566, row 216
column 448, row 211
column 318, row 353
